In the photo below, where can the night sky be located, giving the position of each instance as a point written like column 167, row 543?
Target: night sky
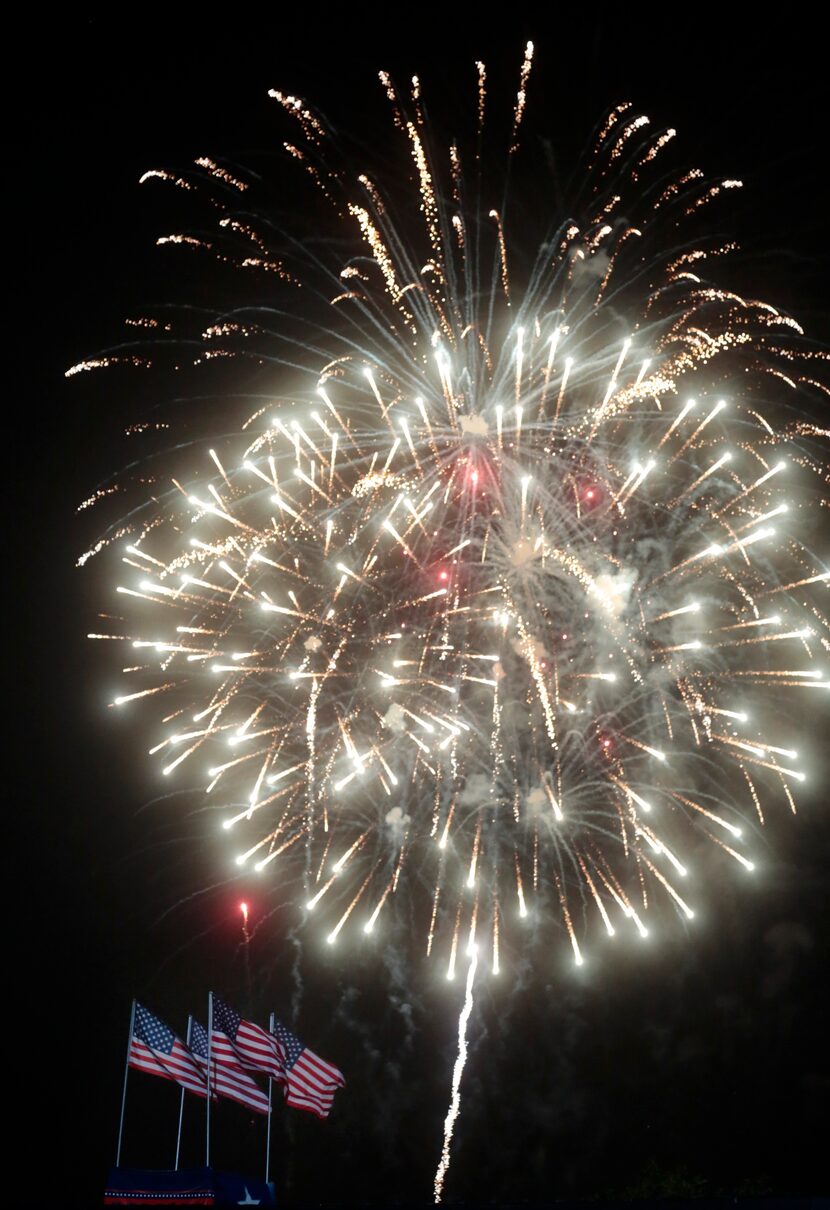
column 697, row 1065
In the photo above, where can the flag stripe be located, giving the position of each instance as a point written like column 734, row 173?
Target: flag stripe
column 309, row 1082
column 156, row 1050
column 145, row 1059
column 236, row 1086
column 227, row 1077
column 251, row 1047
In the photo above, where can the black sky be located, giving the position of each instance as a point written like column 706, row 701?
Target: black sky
column 700, row 1065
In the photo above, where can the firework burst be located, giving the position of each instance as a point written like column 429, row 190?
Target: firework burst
column 498, row 597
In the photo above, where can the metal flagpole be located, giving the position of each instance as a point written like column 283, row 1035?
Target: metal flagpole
column 181, row 1100
column 209, row 1065
column 124, row 1091
column 270, row 1095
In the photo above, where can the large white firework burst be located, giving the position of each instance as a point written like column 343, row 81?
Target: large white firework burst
column 498, row 598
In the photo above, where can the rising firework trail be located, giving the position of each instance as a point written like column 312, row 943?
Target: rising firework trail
column 499, row 595
column 458, row 1071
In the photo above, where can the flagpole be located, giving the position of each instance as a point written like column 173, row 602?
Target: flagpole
column 124, row 1090
column 209, row 1063
column 270, row 1095
column 181, row 1101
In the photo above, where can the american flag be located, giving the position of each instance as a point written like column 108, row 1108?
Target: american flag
column 242, row 1044
column 226, row 1080
column 310, row 1082
column 155, row 1049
